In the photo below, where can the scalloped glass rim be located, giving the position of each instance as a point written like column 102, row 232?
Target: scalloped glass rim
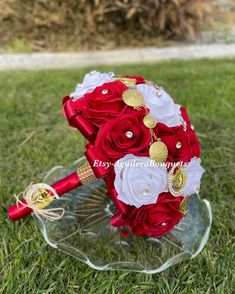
column 146, row 255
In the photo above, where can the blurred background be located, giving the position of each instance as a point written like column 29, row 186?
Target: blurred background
column 73, row 25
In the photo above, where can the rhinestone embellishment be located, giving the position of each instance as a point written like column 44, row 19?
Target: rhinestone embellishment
column 129, row 134
column 183, row 122
column 145, row 192
column 105, row 91
column 178, row 145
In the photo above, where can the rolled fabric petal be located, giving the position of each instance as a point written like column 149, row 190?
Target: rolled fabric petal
column 91, row 80
column 99, row 169
column 116, row 220
column 77, row 120
column 121, row 206
column 69, row 110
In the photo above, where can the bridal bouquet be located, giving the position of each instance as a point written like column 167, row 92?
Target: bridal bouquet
column 146, row 142
column 142, row 143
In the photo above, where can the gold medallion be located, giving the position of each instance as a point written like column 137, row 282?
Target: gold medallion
column 133, row 98
column 179, row 180
column 176, row 180
column 149, row 122
column 158, row 151
column 42, row 198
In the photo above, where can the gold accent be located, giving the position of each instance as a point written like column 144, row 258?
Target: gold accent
column 183, row 206
column 176, row 180
column 179, row 179
column 158, row 151
column 86, row 174
column 149, row 122
column 151, row 83
column 127, row 81
column 133, row 98
column 42, row 198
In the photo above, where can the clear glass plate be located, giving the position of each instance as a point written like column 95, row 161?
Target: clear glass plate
column 85, row 232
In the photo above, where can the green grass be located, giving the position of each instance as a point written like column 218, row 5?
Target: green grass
column 35, row 137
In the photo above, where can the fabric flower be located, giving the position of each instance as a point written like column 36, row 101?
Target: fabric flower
column 161, row 105
column 138, row 180
column 182, row 145
column 123, row 135
column 153, row 219
column 194, row 172
column 138, row 79
column 104, row 103
column 90, row 82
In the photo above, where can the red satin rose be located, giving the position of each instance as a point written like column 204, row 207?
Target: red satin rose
column 154, row 219
column 138, row 79
column 123, row 135
column 182, row 145
column 104, row 103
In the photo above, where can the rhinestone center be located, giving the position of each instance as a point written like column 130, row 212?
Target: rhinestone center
column 129, row 134
column 178, row 145
column 145, row 192
column 105, row 91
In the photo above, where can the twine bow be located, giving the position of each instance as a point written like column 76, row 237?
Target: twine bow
column 37, row 198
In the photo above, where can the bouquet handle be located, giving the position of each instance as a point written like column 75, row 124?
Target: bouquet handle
column 83, row 175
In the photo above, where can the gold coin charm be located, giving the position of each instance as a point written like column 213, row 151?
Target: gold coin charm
column 183, row 206
column 158, row 151
column 149, row 122
column 133, row 98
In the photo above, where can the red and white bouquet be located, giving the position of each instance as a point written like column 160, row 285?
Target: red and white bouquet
column 142, row 143
column 148, row 145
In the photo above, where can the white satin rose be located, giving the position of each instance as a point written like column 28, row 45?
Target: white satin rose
column 139, row 180
column 194, row 172
column 161, row 105
column 90, row 82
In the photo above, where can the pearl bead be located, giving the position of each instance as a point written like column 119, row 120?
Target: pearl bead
column 145, row 192
column 164, row 224
column 159, row 94
column 178, row 145
column 192, row 127
column 105, row 91
column 129, row 134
